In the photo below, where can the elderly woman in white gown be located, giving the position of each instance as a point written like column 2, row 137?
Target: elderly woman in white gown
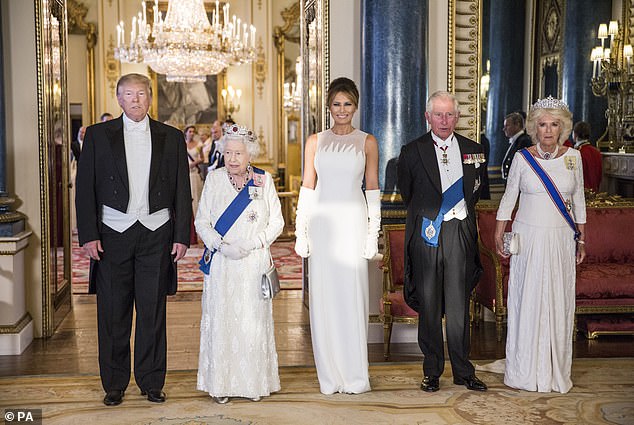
column 237, row 344
column 541, row 294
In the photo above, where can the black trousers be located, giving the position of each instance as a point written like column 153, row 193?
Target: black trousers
column 131, row 273
column 443, row 285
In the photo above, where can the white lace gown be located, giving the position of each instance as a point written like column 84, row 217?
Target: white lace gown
column 541, row 293
column 237, row 343
column 338, row 274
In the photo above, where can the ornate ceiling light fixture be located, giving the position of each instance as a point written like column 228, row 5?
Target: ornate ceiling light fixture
column 184, row 45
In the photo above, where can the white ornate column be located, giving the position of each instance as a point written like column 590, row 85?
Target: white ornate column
column 16, row 325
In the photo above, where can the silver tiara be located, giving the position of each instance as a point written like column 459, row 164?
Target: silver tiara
column 240, row 131
column 550, row 103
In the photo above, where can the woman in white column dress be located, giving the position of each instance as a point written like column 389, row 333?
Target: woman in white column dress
column 341, row 240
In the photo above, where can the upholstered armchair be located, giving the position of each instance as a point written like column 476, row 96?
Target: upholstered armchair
column 392, row 307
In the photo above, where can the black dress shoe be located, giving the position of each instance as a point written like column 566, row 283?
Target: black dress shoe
column 430, row 384
column 155, row 396
column 471, row 382
column 113, row 397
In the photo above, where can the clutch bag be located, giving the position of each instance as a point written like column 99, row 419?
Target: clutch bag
column 270, row 282
column 511, row 243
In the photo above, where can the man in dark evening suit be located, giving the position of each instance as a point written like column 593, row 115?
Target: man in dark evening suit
column 133, row 217
column 518, row 139
column 440, row 179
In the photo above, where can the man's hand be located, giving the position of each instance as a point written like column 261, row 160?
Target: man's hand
column 92, row 249
column 178, row 251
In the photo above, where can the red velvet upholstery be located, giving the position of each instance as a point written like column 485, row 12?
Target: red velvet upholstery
column 392, row 305
column 605, row 280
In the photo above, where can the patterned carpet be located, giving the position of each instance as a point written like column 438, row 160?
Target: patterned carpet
column 602, row 394
column 289, row 268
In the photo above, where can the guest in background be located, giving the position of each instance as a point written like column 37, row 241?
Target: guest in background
column 215, row 155
column 518, row 139
column 337, row 227
column 106, row 116
column 541, row 287
column 133, row 216
column 237, row 342
column 195, row 157
column 590, row 156
column 75, row 145
column 440, row 178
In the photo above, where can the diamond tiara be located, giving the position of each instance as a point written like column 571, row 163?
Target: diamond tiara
column 235, row 130
column 550, row 103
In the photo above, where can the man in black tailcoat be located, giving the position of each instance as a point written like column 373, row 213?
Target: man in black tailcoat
column 440, row 178
column 133, row 218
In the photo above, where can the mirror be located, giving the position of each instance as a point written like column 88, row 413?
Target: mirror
column 315, row 75
column 289, row 73
column 54, row 157
column 77, row 24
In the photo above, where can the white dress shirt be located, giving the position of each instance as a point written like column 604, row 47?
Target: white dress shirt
column 451, row 172
column 138, row 153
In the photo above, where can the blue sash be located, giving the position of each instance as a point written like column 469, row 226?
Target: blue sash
column 226, row 220
column 552, row 190
column 450, row 197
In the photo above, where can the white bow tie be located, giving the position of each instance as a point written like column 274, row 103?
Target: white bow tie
column 136, row 127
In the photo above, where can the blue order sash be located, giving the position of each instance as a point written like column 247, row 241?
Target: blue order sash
column 552, row 190
column 450, row 197
column 226, row 220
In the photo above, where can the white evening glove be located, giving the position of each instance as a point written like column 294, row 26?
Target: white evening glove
column 247, row 245
column 373, row 199
column 305, row 204
column 232, row 251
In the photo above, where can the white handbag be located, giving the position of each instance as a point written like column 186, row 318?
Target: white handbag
column 511, row 243
column 270, row 281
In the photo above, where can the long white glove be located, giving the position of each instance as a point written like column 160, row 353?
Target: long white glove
column 373, row 199
column 305, row 204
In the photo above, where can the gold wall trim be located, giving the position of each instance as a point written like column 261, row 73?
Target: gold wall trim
column 17, row 327
column 463, row 67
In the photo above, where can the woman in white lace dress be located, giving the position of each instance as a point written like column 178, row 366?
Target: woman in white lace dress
column 237, row 344
column 541, row 288
column 337, row 229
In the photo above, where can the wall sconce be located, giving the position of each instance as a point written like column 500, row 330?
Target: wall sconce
column 613, row 79
column 231, row 101
column 293, row 91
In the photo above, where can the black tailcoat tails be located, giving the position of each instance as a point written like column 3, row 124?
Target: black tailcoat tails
column 431, row 286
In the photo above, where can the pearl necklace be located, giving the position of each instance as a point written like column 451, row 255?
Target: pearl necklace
column 246, row 179
column 547, row 155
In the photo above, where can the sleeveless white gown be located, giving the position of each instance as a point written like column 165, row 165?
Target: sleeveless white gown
column 338, row 274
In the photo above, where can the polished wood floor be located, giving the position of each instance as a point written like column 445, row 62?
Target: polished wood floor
column 73, row 348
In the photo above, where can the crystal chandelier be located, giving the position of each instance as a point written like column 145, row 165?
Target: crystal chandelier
column 184, row 45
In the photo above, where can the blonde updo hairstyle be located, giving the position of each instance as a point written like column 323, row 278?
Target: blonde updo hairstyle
column 564, row 116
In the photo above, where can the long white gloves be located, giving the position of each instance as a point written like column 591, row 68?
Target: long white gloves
column 373, row 199
column 305, row 205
